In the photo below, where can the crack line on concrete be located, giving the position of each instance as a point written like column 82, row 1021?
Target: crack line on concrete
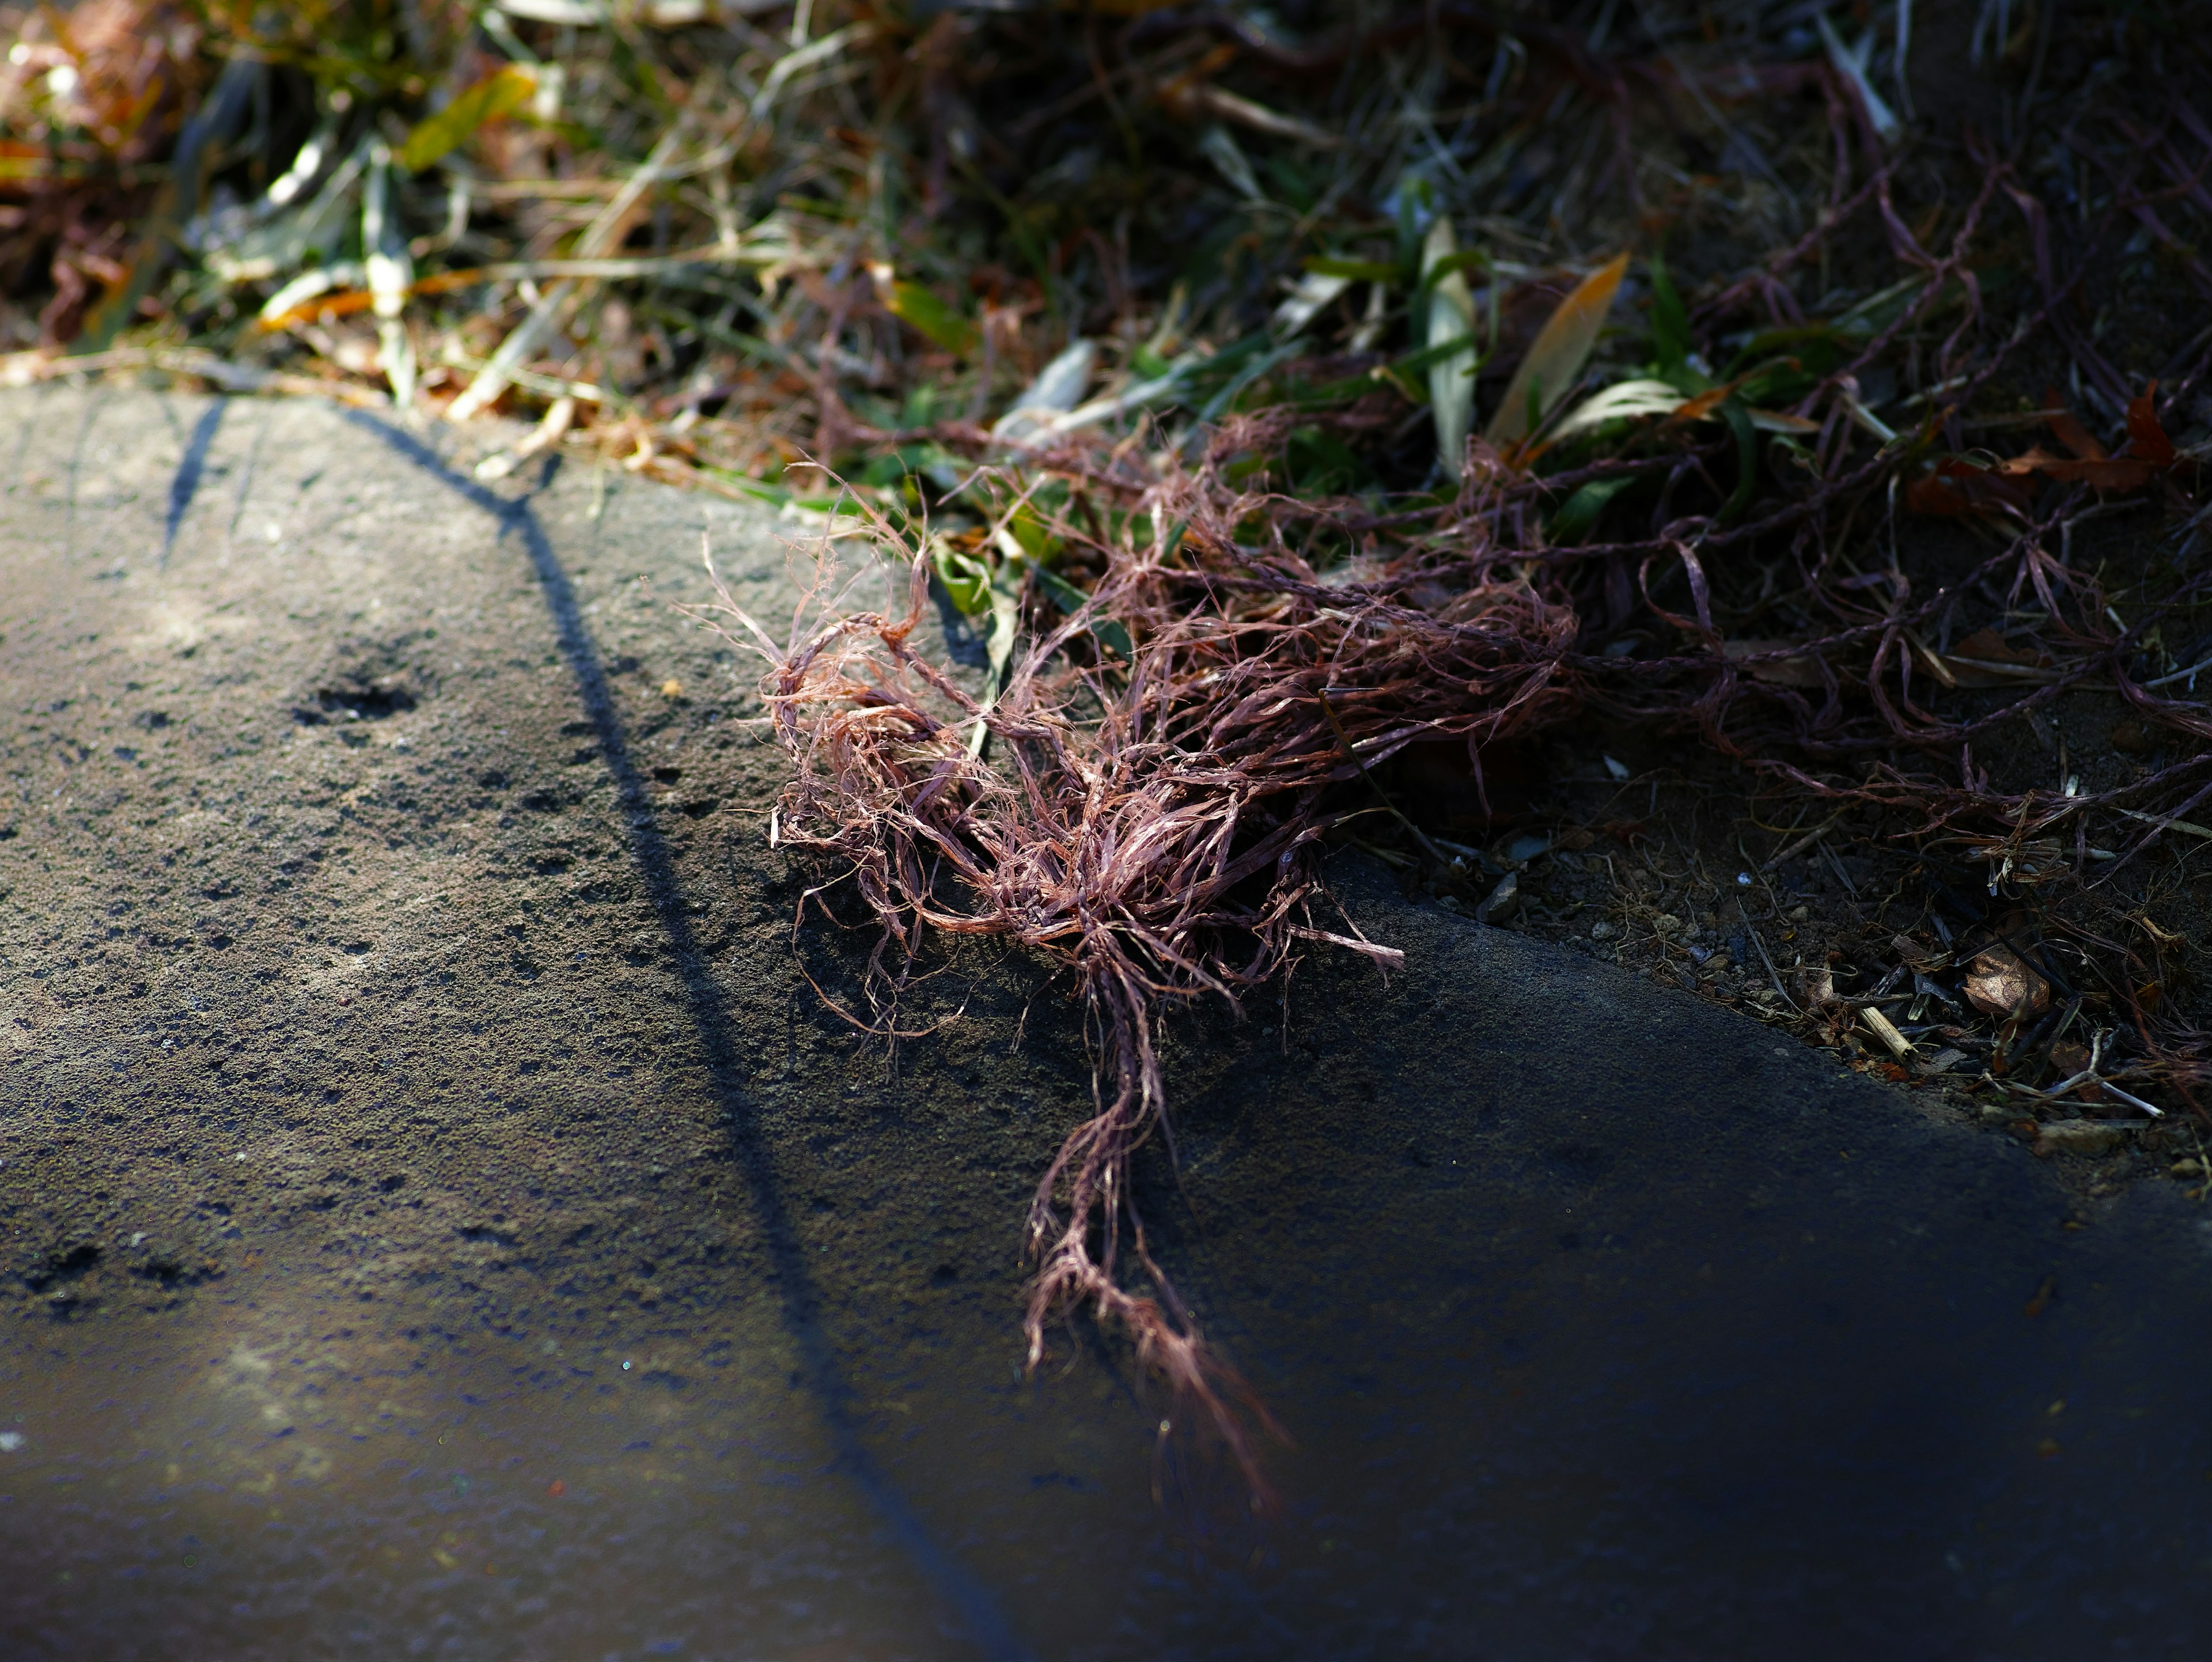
column 960, row 1589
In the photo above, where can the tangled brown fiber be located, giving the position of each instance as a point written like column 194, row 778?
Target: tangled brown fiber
column 1153, row 824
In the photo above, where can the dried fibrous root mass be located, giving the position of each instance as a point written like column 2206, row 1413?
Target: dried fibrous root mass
column 1152, row 823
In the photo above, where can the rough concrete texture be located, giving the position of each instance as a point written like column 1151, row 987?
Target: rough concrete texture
column 441, row 1218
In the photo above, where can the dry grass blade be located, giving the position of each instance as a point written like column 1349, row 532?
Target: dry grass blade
column 1554, row 364
column 497, row 375
column 390, row 271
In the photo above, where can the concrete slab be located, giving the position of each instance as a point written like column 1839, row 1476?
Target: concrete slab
column 441, row 1219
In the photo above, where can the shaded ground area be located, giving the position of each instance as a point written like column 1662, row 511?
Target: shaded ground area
column 440, row 1217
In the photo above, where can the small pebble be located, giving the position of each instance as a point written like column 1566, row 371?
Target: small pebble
column 2079, row 1136
column 1603, row 930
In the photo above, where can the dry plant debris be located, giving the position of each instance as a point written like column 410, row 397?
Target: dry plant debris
column 1335, row 425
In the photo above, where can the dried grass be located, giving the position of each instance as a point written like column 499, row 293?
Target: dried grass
column 1151, row 824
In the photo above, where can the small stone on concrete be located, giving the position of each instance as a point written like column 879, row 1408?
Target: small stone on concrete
column 2079, row 1136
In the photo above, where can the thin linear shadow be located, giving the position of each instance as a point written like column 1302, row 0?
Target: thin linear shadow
column 190, row 471
column 969, row 1599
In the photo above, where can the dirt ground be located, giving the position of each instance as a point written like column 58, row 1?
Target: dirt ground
column 438, row 1207
column 1645, row 848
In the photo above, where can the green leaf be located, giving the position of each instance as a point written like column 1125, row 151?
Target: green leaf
column 1358, row 271
column 1466, row 259
column 1578, row 515
column 1415, row 363
column 1116, row 639
column 1002, row 592
column 923, row 312
column 1746, row 458
column 1320, row 464
column 1070, row 599
column 1671, row 345
column 1783, row 381
column 501, row 93
column 1414, row 198
column 1028, row 529
column 1628, row 401
column 1819, row 347
column 967, row 580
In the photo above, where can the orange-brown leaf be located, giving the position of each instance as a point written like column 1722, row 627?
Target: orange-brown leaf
column 2069, row 431
column 2108, row 473
column 1556, row 358
column 1957, row 487
column 2144, row 434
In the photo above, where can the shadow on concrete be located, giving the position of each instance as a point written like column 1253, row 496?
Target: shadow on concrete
column 963, row 1593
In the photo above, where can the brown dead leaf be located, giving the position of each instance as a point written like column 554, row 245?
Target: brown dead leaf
column 2145, row 436
column 2068, row 1059
column 2121, row 473
column 2078, row 1136
column 1175, row 96
column 2069, row 432
column 1999, row 983
column 1955, row 486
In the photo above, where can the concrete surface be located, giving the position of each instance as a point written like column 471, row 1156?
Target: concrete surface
column 441, row 1219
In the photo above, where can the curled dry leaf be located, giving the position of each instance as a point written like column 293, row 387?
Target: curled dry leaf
column 1816, row 988
column 1999, row 983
